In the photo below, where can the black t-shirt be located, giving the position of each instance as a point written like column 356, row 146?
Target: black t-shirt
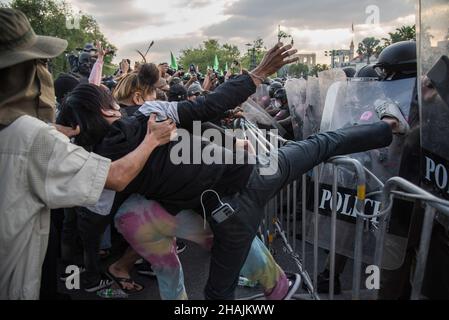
column 175, row 186
column 129, row 110
column 179, row 186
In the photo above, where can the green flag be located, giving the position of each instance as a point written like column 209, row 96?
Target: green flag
column 216, row 64
column 173, row 64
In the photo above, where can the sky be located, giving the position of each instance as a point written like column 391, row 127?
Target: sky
column 315, row 25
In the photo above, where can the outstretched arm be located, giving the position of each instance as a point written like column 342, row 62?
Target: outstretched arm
column 226, row 97
column 234, row 92
column 300, row 157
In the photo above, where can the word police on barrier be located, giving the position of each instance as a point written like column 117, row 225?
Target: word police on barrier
column 346, row 203
column 436, row 173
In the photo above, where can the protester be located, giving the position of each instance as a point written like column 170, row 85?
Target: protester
column 54, row 173
column 194, row 92
column 177, row 93
column 237, row 234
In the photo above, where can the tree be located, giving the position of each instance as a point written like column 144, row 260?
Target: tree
column 283, row 35
column 298, row 70
column 403, row 33
column 254, row 55
column 48, row 17
column 204, row 55
column 318, row 68
column 368, row 47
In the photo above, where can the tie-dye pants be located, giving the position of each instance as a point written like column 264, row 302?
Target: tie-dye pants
column 151, row 232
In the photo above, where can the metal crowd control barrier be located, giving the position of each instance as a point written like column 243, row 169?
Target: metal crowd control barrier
column 274, row 216
column 432, row 205
column 290, row 237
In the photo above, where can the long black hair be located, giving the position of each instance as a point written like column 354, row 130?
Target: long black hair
column 82, row 107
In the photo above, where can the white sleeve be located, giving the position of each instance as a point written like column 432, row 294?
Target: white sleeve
column 163, row 109
column 64, row 175
column 104, row 205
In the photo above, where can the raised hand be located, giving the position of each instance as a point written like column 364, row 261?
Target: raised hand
column 101, row 52
column 276, row 58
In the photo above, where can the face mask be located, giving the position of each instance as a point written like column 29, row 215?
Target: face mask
column 47, row 101
column 85, row 64
column 27, row 89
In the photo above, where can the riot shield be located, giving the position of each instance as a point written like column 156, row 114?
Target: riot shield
column 326, row 79
column 433, row 66
column 312, row 112
column 316, row 93
column 254, row 113
column 262, row 96
column 348, row 103
column 296, row 95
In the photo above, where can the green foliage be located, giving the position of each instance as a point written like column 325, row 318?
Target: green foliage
column 403, row 33
column 48, row 17
column 368, row 47
column 317, row 69
column 204, row 55
column 254, row 55
column 298, row 70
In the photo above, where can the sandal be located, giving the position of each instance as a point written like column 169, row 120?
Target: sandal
column 122, row 281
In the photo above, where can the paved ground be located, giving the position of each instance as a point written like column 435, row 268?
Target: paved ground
column 195, row 262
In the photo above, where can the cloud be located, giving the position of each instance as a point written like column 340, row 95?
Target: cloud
column 118, row 15
column 320, row 13
column 316, row 25
column 160, row 52
column 251, row 18
column 194, row 3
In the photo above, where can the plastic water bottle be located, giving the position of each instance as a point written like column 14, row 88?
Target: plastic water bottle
column 245, row 282
column 110, row 293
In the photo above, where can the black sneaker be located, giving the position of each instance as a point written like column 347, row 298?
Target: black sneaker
column 294, row 281
column 180, row 246
column 103, row 283
column 145, row 269
column 323, row 283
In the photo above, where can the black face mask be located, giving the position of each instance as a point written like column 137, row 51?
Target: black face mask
column 85, row 64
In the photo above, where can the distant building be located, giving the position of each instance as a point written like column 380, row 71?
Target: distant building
column 309, row 59
column 349, row 58
column 342, row 58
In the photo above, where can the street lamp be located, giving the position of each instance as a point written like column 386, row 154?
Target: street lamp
column 332, row 53
column 252, row 54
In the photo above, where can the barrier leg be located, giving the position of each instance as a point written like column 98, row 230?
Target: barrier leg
column 333, row 233
column 315, row 232
column 304, row 218
column 420, row 270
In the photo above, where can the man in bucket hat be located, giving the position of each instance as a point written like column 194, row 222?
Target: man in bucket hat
column 39, row 168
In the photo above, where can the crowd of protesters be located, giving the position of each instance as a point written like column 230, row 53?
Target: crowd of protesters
column 87, row 175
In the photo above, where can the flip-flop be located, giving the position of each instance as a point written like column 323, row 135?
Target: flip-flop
column 119, row 281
